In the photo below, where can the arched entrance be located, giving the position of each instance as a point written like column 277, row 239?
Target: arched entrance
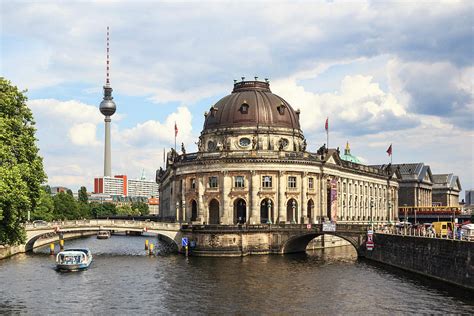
column 240, row 211
column 292, row 211
column 266, row 209
column 310, row 209
column 214, row 218
column 194, row 210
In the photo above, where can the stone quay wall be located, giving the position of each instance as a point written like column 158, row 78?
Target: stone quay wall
column 444, row 259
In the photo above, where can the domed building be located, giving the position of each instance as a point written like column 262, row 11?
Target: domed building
column 252, row 167
column 347, row 156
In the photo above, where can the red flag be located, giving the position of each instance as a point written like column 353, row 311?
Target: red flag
column 389, row 150
column 175, row 129
column 326, row 126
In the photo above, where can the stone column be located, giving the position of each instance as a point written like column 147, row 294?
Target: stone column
column 318, row 201
column 226, row 210
column 324, row 197
column 183, row 200
column 254, row 202
column 281, row 198
column 304, row 204
column 202, row 213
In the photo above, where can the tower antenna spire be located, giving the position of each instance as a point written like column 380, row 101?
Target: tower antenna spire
column 107, row 81
column 107, row 108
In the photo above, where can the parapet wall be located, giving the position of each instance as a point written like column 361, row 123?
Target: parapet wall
column 448, row 260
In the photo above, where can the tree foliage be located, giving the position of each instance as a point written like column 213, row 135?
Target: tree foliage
column 65, row 207
column 82, row 195
column 21, row 167
column 45, row 208
column 141, row 208
column 102, row 210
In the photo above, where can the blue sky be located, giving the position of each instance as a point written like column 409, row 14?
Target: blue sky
column 383, row 72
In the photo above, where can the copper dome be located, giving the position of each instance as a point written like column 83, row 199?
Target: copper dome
column 251, row 104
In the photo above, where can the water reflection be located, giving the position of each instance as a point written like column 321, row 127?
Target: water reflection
column 125, row 280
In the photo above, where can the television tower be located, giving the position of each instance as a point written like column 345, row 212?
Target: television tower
column 107, row 107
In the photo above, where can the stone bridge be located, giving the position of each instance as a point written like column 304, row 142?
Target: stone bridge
column 169, row 231
column 240, row 240
column 209, row 240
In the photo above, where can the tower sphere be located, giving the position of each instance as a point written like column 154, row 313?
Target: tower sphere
column 107, row 106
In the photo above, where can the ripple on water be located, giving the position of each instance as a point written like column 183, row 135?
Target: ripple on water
column 123, row 279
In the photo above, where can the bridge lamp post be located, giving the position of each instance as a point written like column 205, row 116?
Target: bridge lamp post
column 293, row 206
column 371, row 213
column 269, row 205
column 389, row 213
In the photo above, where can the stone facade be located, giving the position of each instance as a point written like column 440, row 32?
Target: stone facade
column 255, row 169
column 446, row 190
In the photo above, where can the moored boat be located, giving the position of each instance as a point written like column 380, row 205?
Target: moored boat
column 74, row 259
column 103, row 234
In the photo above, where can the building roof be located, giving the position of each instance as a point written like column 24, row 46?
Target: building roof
column 347, row 156
column 412, row 171
column 251, row 104
column 446, row 181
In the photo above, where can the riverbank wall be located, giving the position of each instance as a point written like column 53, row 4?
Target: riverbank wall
column 8, row 251
column 443, row 259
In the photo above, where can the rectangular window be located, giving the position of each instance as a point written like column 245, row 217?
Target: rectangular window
column 267, row 182
column 193, row 183
column 310, row 183
column 291, row 182
column 213, row 182
column 239, row 182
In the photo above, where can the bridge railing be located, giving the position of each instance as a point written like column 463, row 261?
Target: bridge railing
column 99, row 222
column 270, row 227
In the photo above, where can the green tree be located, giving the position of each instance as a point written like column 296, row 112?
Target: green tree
column 69, row 191
column 127, row 210
column 21, row 167
column 82, row 195
column 45, row 208
column 102, row 210
column 84, row 207
column 141, row 207
column 65, row 207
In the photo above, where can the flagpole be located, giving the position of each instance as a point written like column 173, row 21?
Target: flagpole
column 391, row 155
column 175, row 136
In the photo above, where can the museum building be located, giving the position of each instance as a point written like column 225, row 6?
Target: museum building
column 253, row 167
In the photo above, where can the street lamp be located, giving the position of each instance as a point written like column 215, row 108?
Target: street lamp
column 293, row 205
column 371, row 213
column 269, row 205
column 389, row 213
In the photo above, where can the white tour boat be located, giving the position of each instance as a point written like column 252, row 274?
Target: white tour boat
column 74, row 259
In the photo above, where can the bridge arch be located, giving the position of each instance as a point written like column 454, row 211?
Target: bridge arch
column 299, row 243
column 165, row 231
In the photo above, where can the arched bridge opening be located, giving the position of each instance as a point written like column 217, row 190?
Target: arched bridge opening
column 170, row 240
column 300, row 243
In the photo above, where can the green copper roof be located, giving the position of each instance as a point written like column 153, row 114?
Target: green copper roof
column 347, row 155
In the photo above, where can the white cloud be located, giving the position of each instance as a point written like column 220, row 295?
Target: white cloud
column 83, row 134
column 153, row 132
column 360, row 105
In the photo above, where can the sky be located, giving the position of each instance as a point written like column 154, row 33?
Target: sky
column 383, row 72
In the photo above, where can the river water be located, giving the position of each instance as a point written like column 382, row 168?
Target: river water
column 124, row 280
